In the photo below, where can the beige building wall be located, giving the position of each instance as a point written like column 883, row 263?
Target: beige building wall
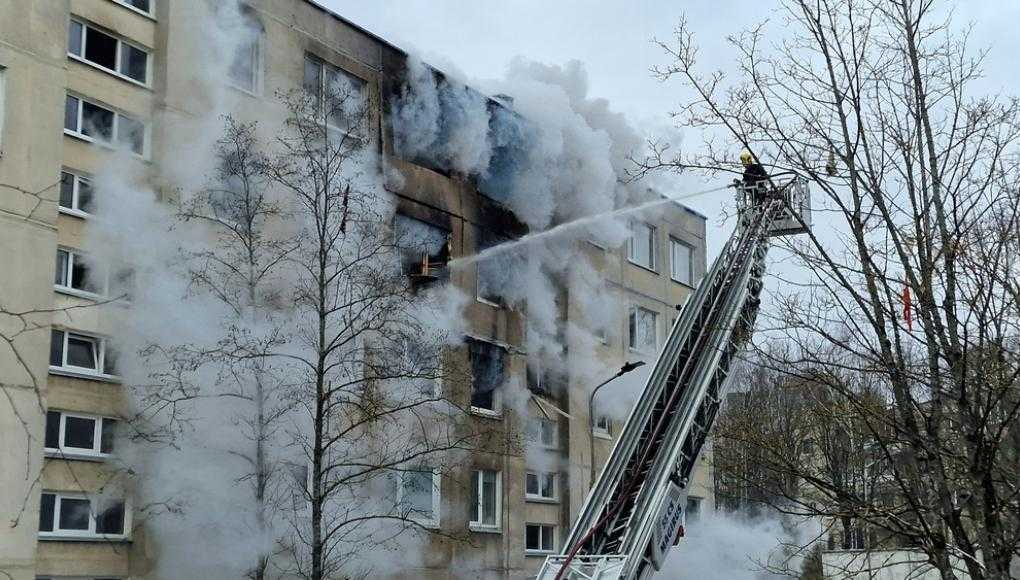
column 31, row 83
column 36, row 74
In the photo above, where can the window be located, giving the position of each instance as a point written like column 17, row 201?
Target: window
column 143, row 6
column 417, row 496
column 539, row 538
column 485, row 499
column 246, row 67
column 693, row 509
column 488, row 371
column 643, row 325
column 424, row 249
column 86, row 43
column 680, row 263
column 641, row 247
column 540, row 485
column 75, row 194
column 340, row 95
column 76, row 515
column 81, row 353
column 541, row 379
column 603, row 425
column 423, row 368
column 75, row 273
column 74, row 434
column 94, row 123
column 545, row 432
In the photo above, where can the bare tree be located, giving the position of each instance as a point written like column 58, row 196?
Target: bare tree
column 365, row 366
column 913, row 269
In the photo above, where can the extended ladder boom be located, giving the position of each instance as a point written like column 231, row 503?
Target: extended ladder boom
column 632, row 515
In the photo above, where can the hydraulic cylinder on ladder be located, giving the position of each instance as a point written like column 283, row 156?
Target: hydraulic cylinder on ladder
column 635, row 512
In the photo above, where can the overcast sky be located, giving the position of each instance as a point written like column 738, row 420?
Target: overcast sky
column 613, row 39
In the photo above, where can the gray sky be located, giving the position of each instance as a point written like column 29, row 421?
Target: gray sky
column 613, row 39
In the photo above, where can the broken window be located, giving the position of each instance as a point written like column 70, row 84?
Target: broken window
column 87, row 43
column 424, row 249
column 542, row 378
column 488, row 371
column 641, row 247
column 643, row 325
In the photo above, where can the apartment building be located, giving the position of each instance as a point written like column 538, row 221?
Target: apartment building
column 80, row 79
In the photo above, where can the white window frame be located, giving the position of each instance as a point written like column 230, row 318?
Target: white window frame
column 115, row 143
column 150, row 14
column 480, row 526
column 631, row 338
column 673, row 242
column 541, row 536
column 258, row 56
column 432, row 522
column 90, row 533
column 324, row 65
column 100, row 274
column 540, row 477
column 652, row 246
column 537, row 430
column 97, row 437
column 598, row 429
column 76, row 181
column 85, row 25
column 76, row 371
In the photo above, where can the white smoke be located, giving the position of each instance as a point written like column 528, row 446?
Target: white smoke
column 201, row 511
column 721, row 547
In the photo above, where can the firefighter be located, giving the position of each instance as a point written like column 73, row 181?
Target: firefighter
column 755, row 177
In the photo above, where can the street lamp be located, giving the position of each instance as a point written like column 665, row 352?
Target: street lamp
column 626, row 368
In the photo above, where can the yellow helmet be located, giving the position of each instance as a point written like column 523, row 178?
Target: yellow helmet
column 746, row 158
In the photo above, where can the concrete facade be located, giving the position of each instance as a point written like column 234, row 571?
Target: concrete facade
column 36, row 75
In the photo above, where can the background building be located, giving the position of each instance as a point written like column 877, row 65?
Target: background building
column 79, row 78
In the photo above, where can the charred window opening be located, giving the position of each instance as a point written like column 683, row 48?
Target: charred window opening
column 542, row 378
column 512, row 138
column 424, row 249
column 488, row 371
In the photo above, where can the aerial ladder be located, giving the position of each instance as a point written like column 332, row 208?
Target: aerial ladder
column 634, row 513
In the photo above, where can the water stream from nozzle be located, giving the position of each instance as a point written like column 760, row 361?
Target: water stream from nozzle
column 567, row 227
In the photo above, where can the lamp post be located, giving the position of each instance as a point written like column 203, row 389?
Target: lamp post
column 626, row 368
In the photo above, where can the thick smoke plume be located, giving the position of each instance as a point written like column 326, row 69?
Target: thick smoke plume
column 551, row 155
